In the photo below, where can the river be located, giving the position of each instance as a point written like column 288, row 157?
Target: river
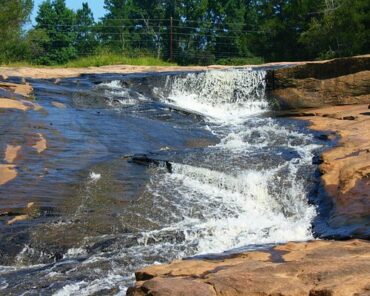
column 146, row 168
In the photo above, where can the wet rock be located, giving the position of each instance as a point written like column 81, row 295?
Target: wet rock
column 313, row 268
column 143, row 159
column 8, row 172
column 31, row 211
column 317, row 160
column 322, row 137
column 24, row 90
column 58, row 105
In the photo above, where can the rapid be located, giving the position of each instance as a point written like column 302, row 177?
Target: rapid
column 157, row 168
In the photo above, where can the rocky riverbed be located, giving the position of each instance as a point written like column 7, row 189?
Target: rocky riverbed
column 340, row 91
column 60, row 128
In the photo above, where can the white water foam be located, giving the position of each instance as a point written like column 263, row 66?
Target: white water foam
column 84, row 288
column 233, row 207
column 94, row 177
column 226, row 96
column 120, row 96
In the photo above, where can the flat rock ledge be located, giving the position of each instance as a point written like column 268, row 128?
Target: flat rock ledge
column 316, row 84
column 316, row 268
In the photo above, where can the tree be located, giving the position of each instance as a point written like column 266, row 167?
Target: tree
column 13, row 15
column 279, row 25
column 56, row 21
column 341, row 28
column 86, row 41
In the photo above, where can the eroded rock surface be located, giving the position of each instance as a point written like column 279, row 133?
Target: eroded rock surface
column 312, row 268
column 311, row 85
column 346, row 168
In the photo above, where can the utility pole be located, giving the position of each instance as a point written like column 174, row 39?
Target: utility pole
column 171, row 39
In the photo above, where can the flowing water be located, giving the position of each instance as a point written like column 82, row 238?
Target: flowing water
column 218, row 175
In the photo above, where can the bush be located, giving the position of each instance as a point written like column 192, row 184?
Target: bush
column 240, row 61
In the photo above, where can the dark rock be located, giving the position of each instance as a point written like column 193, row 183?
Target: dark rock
column 317, row 160
column 323, row 137
column 143, row 159
column 349, row 117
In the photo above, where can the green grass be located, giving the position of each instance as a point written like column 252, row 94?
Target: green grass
column 116, row 59
column 106, row 59
column 99, row 60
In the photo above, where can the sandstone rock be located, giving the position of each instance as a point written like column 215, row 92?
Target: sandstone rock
column 346, row 168
column 312, row 85
column 24, row 89
column 59, row 105
column 8, row 172
column 312, row 268
column 29, row 212
column 12, row 104
column 11, row 153
column 41, row 144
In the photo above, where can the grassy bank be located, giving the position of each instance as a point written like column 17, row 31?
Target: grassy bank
column 115, row 59
column 107, row 59
column 100, row 60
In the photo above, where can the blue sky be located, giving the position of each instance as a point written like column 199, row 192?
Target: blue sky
column 95, row 5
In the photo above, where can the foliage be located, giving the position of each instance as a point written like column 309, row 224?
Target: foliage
column 86, row 41
column 13, row 15
column 203, row 31
column 342, row 29
column 56, row 20
column 104, row 59
column 101, row 59
column 240, row 61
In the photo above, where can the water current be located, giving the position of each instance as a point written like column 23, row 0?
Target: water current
column 149, row 168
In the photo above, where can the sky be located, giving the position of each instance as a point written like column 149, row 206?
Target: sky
column 95, row 5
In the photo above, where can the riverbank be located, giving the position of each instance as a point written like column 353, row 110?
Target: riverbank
column 59, row 72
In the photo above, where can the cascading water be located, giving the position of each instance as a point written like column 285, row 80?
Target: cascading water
column 225, row 201
column 222, row 96
column 248, row 189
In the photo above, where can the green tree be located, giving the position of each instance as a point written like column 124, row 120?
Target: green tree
column 13, row 15
column 86, row 40
column 134, row 27
column 56, row 21
column 340, row 28
column 279, row 25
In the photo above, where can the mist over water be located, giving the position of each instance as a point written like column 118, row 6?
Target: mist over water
column 247, row 188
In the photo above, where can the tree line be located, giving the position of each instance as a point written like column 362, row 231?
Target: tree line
column 188, row 32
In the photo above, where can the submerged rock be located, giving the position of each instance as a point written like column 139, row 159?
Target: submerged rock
column 143, row 159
